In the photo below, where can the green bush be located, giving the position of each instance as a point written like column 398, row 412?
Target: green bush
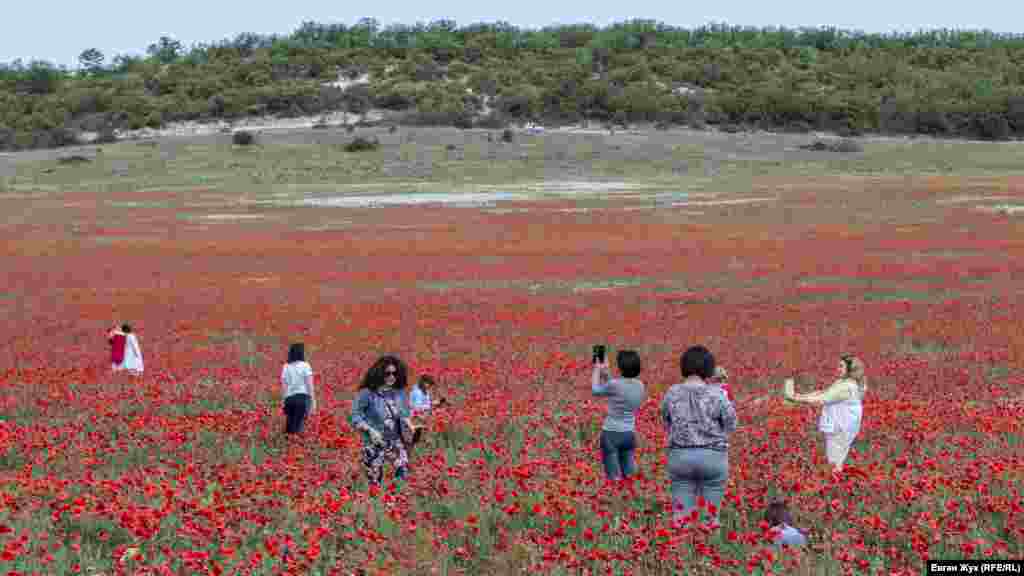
column 940, row 83
column 243, row 138
column 361, row 144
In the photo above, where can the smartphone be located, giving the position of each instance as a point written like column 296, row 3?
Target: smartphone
column 598, row 353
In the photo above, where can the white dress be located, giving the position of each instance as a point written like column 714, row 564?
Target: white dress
column 132, row 355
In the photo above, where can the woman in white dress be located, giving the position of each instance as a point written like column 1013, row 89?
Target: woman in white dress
column 842, row 409
column 132, row 353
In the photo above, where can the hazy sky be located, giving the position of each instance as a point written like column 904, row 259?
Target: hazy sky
column 59, row 30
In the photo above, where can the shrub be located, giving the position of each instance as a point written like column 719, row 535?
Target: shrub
column 60, row 137
column 492, row 121
column 844, row 146
column 1015, row 112
column 74, row 159
column 243, row 138
column 942, row 86
column 6, row 138
column 457, row 118
column 993, row 127
column 398, row 96
column 932, row 122
column 360, row 144
column 106, row 135
column 358, row 99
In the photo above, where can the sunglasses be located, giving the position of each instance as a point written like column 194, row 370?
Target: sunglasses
column 390, row 372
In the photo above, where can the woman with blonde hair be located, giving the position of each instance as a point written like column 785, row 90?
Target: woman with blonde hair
column 842, row 408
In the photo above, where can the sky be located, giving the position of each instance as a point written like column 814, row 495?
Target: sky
column 128, row 26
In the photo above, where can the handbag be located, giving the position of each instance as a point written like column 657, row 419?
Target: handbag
column 408, row 437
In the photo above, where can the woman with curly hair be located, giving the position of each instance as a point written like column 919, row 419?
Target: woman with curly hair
column 842, row 408
column 381, row 411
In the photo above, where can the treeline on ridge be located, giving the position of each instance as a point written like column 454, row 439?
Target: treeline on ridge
column 942, row 83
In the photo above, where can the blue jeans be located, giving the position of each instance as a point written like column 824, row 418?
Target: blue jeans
column 617, row 449
column 697, row 472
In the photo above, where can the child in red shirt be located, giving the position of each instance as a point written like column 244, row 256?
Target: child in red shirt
column 117, row 340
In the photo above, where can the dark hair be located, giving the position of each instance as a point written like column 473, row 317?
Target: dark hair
column 297, row 352
column 848, row 362
column 427, row 380
column 375, row 375
column 777, row 514
column 628, row 362
column 126, row 328
column 697, row 361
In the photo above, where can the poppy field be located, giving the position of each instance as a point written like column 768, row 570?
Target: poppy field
column 186, row 470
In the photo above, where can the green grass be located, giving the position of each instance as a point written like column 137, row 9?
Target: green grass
column 301, row 169
column 909, row 295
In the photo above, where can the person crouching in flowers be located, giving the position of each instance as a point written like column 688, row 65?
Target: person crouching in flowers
column 381, row 411
column 842, row 408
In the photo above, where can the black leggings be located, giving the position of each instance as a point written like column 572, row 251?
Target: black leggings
column 296, row 408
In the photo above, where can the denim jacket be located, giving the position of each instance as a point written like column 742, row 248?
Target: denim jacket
column 371, row 408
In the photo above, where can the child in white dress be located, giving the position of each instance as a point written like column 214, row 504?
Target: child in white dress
column 132, row 353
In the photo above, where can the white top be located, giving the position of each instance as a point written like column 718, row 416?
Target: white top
column 419, row 399
column 843, row 416
column 132, row 354
column 297, row 378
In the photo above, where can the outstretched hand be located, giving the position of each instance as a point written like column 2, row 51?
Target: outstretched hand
column 790, row 389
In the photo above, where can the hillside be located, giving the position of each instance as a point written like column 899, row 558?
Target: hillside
column 941, row 83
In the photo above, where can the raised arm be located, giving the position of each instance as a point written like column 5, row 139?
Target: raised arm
column 839, row 391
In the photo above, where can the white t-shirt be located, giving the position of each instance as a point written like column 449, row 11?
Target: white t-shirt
column 295, row 378
column 419, row 399
column 845, row 415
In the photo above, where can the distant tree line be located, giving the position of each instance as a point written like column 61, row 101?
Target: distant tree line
column 943, row 83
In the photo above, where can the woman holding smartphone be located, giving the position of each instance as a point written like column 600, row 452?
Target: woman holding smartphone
column 625, row 395
column 842, row 408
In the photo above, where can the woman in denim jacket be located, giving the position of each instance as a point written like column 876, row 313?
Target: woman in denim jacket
column 382, row 413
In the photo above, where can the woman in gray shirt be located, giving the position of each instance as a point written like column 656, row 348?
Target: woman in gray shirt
column 625, row 395
column 699, row 419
